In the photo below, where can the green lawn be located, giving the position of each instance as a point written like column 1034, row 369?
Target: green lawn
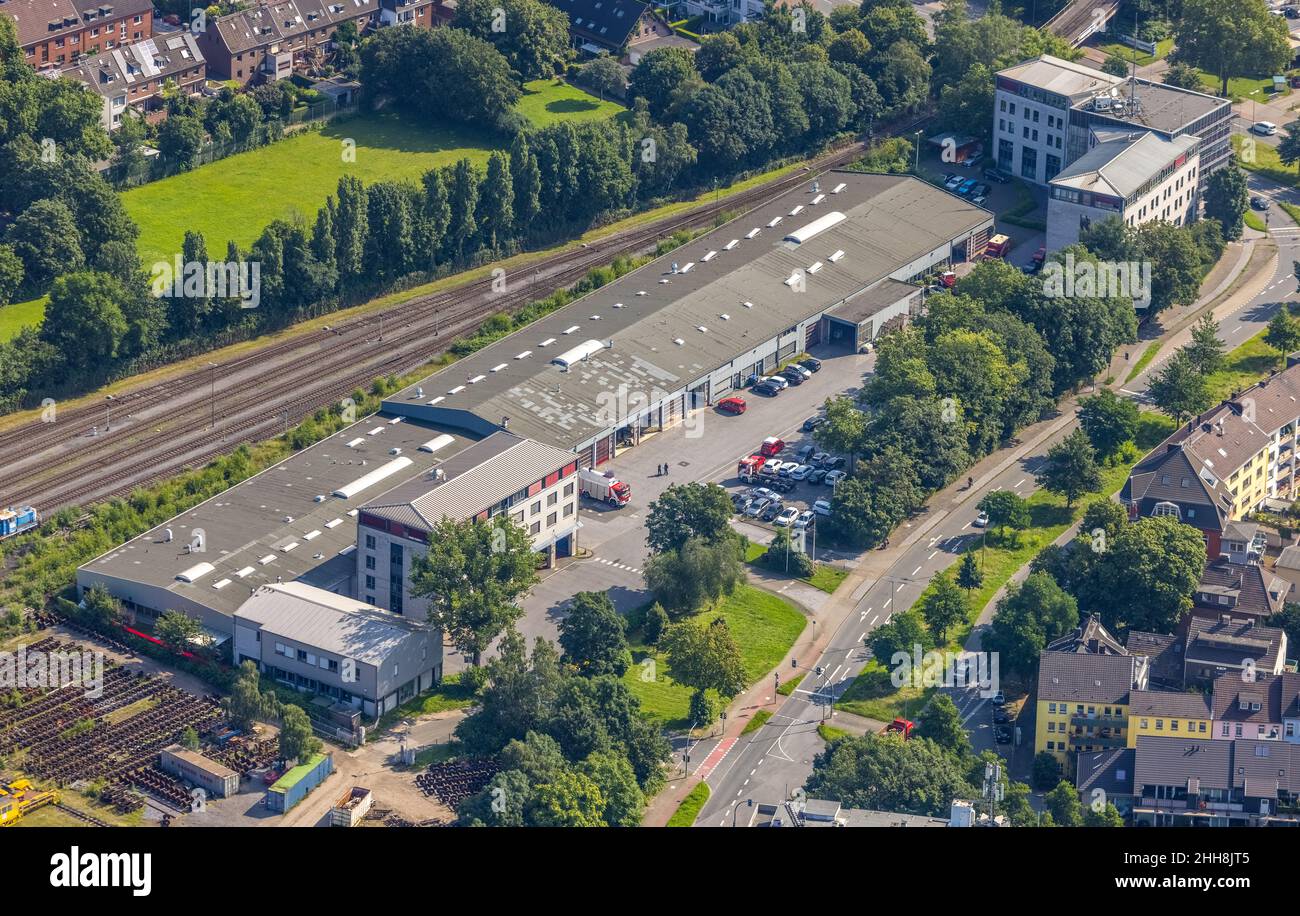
column 19, row 315
column 235, row 198
column 764, row 627
column 446, row 696
column 1247, row 364
column 1255, row 221
column 1145, row 360
column 824, row 577
column 757, row 721
column 873, row 695
column 1125, row 53
column 548, row 101
column 1262, row 158
column 689, row 809
column 788, row 687
column 1244, row 87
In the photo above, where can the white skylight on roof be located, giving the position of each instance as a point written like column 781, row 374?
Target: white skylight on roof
column 376, row 431
column 334, row 523
column 571, row 330
column 221, row 583
column 289, row 546
column 814, row 267
column 709, row 257
column 730, row 245
column 752, row 232
column 311, row 535
column 476, row 379
column 195, row 572
column 838, row 188
column 347, row 491
column 524, row 355
column 819, row 198
column 355, row 442
column 437, row 400
column 797, row 210
column 686, row 268
column 266, row 559
column 774, row 221
column 243, row 573
column 498, row 367
column 457, row 390
column 836, row 256
column 547, row 342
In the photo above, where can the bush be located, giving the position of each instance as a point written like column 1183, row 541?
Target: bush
column 656, row 621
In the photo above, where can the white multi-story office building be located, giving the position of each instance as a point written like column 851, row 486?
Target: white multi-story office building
column 1138, row 177
column 1049, row 112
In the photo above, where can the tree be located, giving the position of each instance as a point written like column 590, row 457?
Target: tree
column 705, row 657
column 84, row 319
column 696, row 574
column 1226, row 199
column 462, row 199
column 902, row 634
column 656, row 622
column 102, row 609
column 1183, row 76
column 1231, row 39
column 613, row 775
column 1063, row 804
column 592, row 636
column 296, row 739
column 1283, row 332
column 1047, row 771
column 189, row 738
column 1288, row 619
column 179, row 140
column 496, row 209
column 885, row 773
column 1109, row 421
column 1115, row 66
column 472, row 575
column 783, row 557
column 1071, row 468
column 969, row 575
column 451, row 74
column 1178, row 389
column 1145, row 577
column 532, row 35
column 1288, row 148
column 941, row 723
column 1029, row 616
column 1205, row 350
column 11, row 274
column 604, row 75
column 246, row 703
column 570, row 799
column 1103, row 816
column 1005, row 509
column 685, row 511
column 177, row 630
column 943, row 605
column 658, row 75
column 46, row 240
column 843, row 429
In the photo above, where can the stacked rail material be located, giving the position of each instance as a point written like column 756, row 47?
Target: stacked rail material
column 456, row 781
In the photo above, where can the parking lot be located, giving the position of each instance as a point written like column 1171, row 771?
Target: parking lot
column 708, row 449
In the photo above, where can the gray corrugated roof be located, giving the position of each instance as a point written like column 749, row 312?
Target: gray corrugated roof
column 329, row 622
column 1169, row 703
column 1062, row 77
column 1085, row 678
column 890, row 221
column 476, row 479
column 1121, row 167
column 1174, row 761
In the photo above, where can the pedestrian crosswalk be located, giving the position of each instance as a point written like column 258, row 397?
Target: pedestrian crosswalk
column 624, row 566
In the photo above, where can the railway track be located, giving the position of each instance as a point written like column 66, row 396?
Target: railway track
column 414, row 332
column 82, row 816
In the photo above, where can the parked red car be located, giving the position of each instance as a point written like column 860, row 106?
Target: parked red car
column 732, row 405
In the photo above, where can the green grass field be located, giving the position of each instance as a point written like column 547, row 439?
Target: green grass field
column 826, row 578
column 689, row 809
column 1126, row 54
column 1262, row 158
column 237, row 197
column 19, row 315
column 764, row 627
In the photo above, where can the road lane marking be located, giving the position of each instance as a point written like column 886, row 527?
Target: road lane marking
column 917, row 570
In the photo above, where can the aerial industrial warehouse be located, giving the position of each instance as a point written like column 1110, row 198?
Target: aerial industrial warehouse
column 827, row 262
column 497, row 432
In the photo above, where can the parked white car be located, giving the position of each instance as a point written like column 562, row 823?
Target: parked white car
column 786, row 518
column 778, row 381
column 805, row 518
column 981, row 520
column 833, row 478
column 1264, row 128
column 801, row 472
column 822, row 507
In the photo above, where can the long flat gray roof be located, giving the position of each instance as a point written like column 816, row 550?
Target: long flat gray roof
column 270, row 527
column 1120, row 167
column 656, row 330
column 475, row 479
column 328, row 621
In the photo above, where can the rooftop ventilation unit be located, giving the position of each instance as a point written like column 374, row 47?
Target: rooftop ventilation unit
column 577, row 354
column 678, row 341
column 437, row 443
column 816, row 227
column 702, row 329
column 382, row 472
column 195, row 572
column 618, row 305
column 725, row 317
column 748, row 305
